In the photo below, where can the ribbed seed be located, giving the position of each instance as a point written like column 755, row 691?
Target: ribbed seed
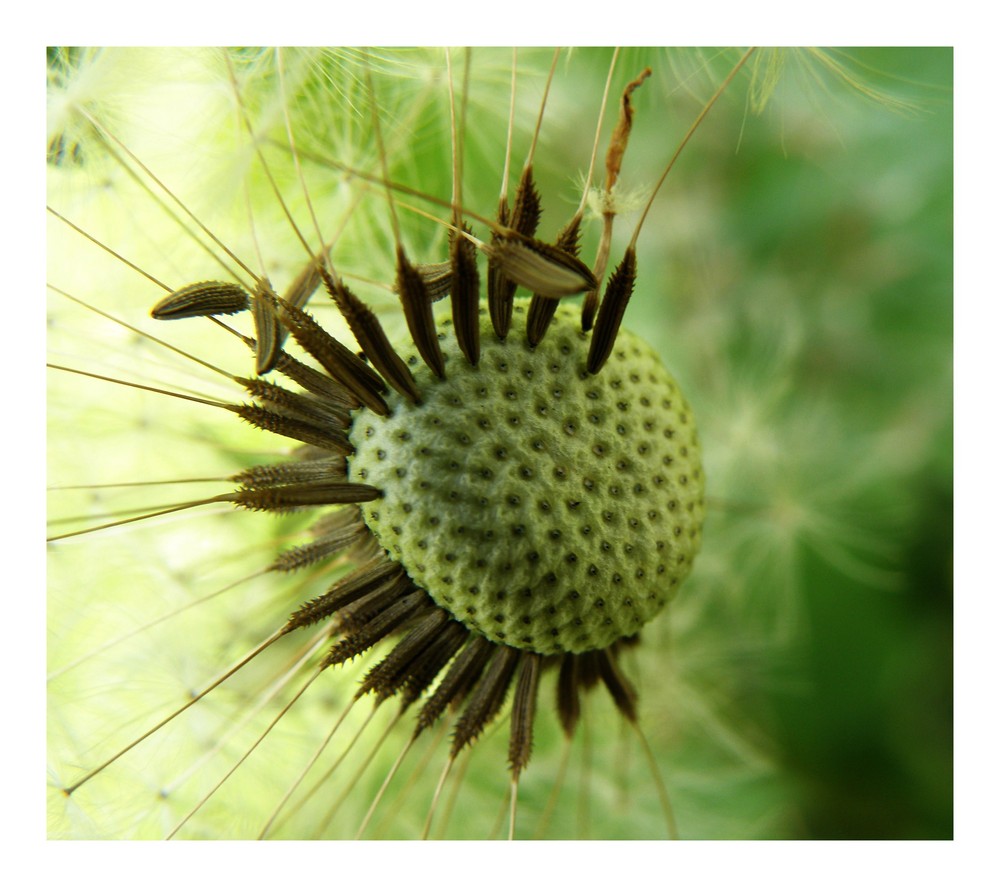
column 465, row 296
column 372, row 338
column 588, row 672
column 543, row 309
column 418, row 312
column 268, row 420
column 523, row 219
column 388, row 675
column 377, row 573
column 486, row 697
column 302, row 288
column 312, row 409
column 612, row 310
column 205, row 299
column 546, row 270
column 265, row 323
column 527, row 210
column 568, row 693
column 462, row 674
column 621, row 690
column 500, row 302
column 360, row 612
column 522, row 714
column 437, row 279
column 341, row 363
column 316, row 383
column 378, row 627
column 304, row 495
column 422, row 672
column 313, row 552
column 258, row 476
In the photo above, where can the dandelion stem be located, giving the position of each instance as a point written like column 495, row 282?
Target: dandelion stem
column 545, row 820
column 661, row 788
column 505, row 178
column 109, row 250
column 308, row 766
column 107, row 136
column 382, row 788
column 285, row 709
column 687, row 137
column 211, row 403
column 437, row 795
column 142, row 333
column 103, row 648
column 260, row 703
column 260, row 648
column 359, row 771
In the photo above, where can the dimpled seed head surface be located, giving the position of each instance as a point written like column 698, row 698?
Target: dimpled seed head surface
column 543, row 507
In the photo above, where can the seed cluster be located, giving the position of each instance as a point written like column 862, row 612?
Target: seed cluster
column 544, row 507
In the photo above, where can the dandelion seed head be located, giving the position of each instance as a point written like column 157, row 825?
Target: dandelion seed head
column 546, row 508
column 194, row 560
column 139, row 619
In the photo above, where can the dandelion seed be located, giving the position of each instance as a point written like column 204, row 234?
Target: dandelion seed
column 204, row 299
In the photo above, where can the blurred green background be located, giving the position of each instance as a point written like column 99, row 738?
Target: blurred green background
column 836, row 252
column 871, row 750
